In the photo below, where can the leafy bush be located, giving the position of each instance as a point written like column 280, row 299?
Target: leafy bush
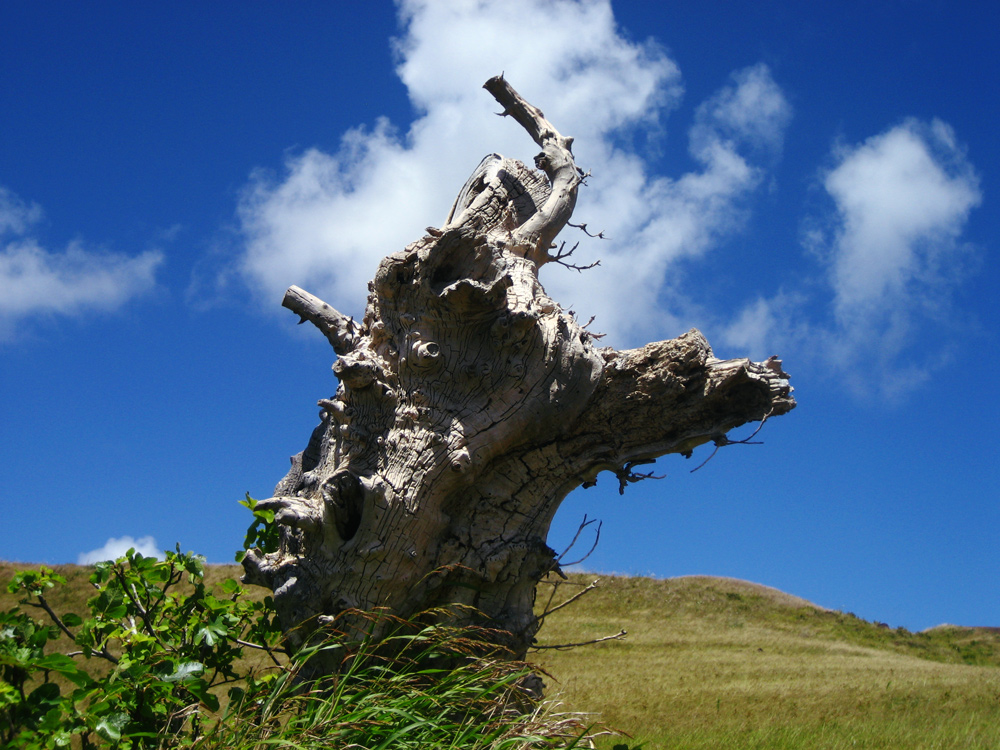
column 162, row 662
column 167, row 654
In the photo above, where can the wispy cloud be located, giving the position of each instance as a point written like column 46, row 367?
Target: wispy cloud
column 749, row 114
column 329, row 218
column 892, row 255
column 38, row 282
column 16, row 215
column 116, row 547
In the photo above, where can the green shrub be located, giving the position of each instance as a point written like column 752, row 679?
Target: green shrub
column 161, row 661
column 167, row 654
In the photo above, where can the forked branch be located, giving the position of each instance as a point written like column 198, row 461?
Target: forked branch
column 556, row 160
column 561, row 253
column 723, row 440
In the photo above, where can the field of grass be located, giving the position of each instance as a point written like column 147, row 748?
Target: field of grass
column 720, row 663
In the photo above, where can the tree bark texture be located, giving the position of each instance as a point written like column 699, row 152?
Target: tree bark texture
column 469, row 404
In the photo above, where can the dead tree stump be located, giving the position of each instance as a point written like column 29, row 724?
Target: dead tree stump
column 470, row 404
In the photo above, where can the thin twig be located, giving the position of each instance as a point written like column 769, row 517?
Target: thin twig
column 597, row 538
column 590, row 587
column 270, row 653
column 583, row 228
column 173, row 578
column 103, row 653
column 560, row 254
column 616, row 637
column 723, row 440
column 583, row 524
column 626, row 476
column 133, row 594
column 55, row 618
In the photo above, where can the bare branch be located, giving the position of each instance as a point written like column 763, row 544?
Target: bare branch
column 556, row 160
column 340, row 330
column 626, row 476
column 723, row 440
column 583, row 228
column 597, row 538
column 620, row 635
column 590, row 587
column 560, row 254
column 591, row 334
column 579, row 530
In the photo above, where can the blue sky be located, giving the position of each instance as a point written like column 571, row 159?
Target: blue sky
column 812, row 182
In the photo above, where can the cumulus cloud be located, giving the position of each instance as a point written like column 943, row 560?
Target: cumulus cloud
column 35, row 281
column 656, row 221
column 892, row 255
column 889, row 250
column 326, row 221
column 117, row 547
column 902, row 199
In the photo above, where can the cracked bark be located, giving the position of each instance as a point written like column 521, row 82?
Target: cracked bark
column 469, row 404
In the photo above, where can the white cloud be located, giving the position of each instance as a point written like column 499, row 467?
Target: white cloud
column 325, row 223
column 903, row 198
column 117, row 547
column 16, row 215
column 656, row 221
column 889, row 248
column 892, row 256
column 35, row 281
column 750, row 113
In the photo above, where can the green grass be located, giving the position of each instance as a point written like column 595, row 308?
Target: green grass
column 719, row 663
column 420, row 688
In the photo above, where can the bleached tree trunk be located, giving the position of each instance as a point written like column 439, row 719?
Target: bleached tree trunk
column 470, row 404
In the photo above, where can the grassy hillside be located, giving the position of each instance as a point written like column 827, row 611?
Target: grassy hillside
column 721, row 663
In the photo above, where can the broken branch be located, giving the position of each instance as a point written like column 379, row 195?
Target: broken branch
column 340, row 330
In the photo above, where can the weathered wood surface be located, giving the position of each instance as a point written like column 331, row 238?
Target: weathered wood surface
column 469, row 404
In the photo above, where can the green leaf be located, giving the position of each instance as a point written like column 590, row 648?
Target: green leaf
column 199, row 689
column 187, row 670
column 56, row 662
column 44, row 696
column 10, row 696
column 110, row 727
column 71, row 620
column 65, row 666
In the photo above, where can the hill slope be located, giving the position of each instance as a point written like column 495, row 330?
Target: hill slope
column 722, row 663
column 712, row 663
